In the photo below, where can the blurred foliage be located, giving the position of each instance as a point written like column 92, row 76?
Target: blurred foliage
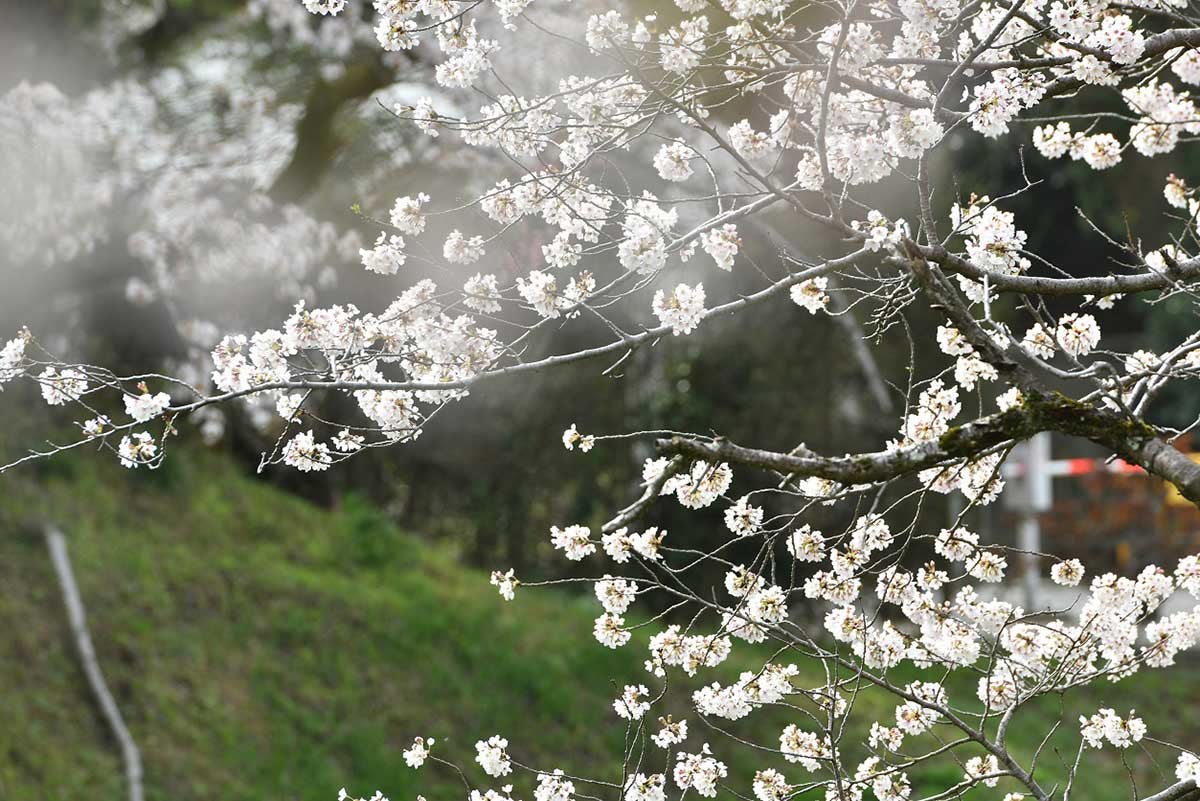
column 489, row 477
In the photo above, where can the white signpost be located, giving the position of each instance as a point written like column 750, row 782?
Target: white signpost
column 1031, row 472
column 1033, row 494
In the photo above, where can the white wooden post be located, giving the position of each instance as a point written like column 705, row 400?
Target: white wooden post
column 1038, row 497
column 57, row 545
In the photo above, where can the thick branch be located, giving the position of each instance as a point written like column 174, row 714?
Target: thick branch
column 866, row 468
column 1175, row 792
column 1094, row 285
column 316, row 141
column 1134, row 441
column 899, row 98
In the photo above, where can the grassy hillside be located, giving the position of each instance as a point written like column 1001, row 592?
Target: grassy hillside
column 262, row 648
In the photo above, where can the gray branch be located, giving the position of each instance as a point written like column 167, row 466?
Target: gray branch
column 1134, row 441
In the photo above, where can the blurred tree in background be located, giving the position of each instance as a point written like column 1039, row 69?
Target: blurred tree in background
column 227, row 144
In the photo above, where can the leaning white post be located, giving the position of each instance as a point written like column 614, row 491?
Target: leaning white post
column 57, row 544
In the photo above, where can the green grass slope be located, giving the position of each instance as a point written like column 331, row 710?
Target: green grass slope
column 263, row 648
